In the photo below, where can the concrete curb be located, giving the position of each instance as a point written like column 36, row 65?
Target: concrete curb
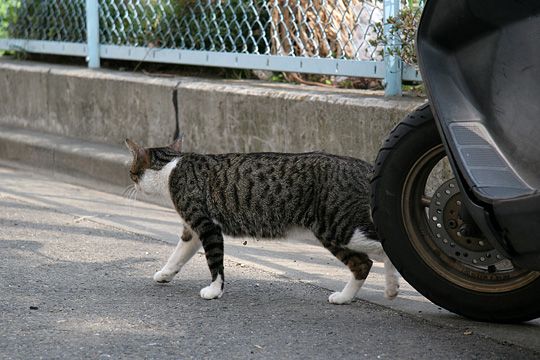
column 86, row 163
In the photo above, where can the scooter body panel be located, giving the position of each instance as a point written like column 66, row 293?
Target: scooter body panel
column 480, row 63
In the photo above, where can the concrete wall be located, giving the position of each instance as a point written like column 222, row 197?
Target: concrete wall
column 215, row 115
column 101, row 106
column 245, row 116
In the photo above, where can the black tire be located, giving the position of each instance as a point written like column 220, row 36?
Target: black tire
column 409, row 141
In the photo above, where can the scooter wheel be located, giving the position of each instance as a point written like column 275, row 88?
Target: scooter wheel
column 415, row 207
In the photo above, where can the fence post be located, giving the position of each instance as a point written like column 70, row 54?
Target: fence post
column 393, row 62
column 92, row 33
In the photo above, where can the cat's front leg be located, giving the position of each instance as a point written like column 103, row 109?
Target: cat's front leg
column 187, row 246
column 212, row 242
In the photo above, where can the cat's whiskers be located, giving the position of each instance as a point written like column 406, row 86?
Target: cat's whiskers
column 134, row 194
column 131, row 193
column 127, row 191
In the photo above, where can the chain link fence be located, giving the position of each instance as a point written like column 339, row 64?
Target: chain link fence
column 47, row 20
column 268, row 32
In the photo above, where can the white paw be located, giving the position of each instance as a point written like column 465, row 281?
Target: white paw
column 164, row 276
column 339, row 298
column 211, row 292
column 391, row 292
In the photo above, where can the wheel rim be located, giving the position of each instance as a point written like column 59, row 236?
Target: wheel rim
column 431, row 224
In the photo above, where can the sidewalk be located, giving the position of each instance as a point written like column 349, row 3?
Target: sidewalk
column 147, row 230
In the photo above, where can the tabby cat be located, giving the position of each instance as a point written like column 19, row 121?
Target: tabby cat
column 264, row 195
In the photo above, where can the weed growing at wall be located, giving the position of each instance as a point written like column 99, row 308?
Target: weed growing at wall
column 7, row 16
column 404, row 29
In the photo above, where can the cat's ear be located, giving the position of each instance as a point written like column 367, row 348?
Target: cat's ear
column 135, row 149
column 177, row 144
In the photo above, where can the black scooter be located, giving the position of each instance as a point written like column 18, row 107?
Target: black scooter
column 456, row 189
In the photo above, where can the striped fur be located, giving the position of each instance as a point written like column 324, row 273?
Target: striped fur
column 265, row 195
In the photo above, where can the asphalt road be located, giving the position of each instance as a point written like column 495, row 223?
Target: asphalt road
column 71, row 287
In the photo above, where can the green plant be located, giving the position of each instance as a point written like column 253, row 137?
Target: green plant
column 278, row 77
column 46, row 20
column 403, row 27
column 7, row 15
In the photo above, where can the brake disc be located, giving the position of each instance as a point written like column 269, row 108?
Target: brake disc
column 445, row 223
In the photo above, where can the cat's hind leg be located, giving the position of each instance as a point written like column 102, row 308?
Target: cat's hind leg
column 187, row 246
column 359, row 264
column 375, row 251
column 391, row 276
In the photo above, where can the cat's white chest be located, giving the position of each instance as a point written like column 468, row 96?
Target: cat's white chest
column 156, row 182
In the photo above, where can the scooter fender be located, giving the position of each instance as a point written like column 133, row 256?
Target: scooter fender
column 479, row 61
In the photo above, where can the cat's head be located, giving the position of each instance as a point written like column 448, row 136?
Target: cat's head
column 148, row 165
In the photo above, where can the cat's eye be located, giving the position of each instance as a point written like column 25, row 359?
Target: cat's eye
column 134, row 177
